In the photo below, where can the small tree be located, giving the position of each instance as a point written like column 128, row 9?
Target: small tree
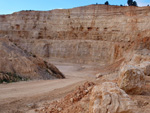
column 106, row 3
column 130, row 2
column 134, row 3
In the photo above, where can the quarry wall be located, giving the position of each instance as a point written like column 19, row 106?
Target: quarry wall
column 90, row 34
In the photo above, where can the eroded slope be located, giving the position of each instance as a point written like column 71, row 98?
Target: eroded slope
column 17, row 62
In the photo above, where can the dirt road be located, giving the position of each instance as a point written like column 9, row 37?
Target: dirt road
column 25, row 96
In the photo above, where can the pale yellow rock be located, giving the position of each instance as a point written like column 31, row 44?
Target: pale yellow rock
column 109, row 98
column 131, row 79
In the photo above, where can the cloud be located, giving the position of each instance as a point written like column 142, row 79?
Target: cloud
column 142, row 2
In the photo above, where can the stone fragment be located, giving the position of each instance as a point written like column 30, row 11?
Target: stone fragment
column 109, row 98
column 131, row 79
column 98, row 75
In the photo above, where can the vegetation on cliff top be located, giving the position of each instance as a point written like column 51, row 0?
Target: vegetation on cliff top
column 132, row 3
column 129, row 2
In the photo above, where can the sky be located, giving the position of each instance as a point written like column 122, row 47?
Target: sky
column 10, row 6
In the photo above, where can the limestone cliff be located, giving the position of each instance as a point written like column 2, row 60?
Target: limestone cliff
column 91, row 34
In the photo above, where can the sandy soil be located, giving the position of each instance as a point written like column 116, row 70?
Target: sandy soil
column 25, row 96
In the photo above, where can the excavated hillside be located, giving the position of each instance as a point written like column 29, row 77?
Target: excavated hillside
column 90, row 34
column 17, row 64
column 112, row 42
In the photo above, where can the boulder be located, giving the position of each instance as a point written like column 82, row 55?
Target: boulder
column 109, row 98
column 131, row 79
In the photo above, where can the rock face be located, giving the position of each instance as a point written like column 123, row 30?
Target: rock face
column 131, row 79
column 18, row 62
column 109, row 98
column 90, row 34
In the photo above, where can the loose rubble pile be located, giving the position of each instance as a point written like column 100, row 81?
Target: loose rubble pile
column 74, row 102
column 106, row 97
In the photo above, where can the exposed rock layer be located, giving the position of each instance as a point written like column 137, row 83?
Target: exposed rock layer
column 103, row 34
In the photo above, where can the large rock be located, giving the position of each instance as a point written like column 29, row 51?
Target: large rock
column 131, row 79
column 109, row 98
column 15, row 61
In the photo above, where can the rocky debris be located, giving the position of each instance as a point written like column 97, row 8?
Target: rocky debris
column 88, row 98
column 99, row 75
column 16, row 61
column 145, row 67
column 109, row 98
column 10, row 77
column 131, row 79
column 53, row 70
column 139, row 57
column 142, row 104
column 75, row 102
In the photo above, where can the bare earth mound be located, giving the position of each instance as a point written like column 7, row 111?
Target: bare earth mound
column 14, row 62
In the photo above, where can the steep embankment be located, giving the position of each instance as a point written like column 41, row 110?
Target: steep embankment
column 17, row 64
column 91, row 34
